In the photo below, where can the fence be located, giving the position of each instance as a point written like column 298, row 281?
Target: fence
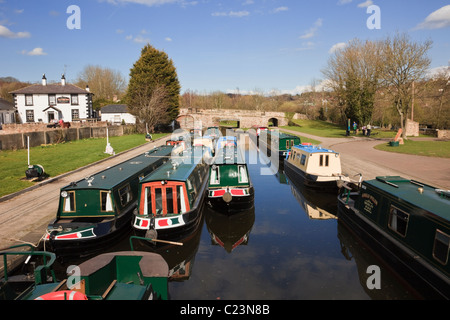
column 19, row 140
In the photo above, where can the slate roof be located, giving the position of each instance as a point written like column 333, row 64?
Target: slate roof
column 54, row 88
column 6, row 105
column 115, row 108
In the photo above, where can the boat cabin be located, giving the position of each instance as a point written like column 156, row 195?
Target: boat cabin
column 281, row 142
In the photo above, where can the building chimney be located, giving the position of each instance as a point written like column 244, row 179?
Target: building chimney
column 63, row 80
column 44, row 80
column 87, row 88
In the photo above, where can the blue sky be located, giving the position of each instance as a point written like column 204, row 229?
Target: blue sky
column 230, row 45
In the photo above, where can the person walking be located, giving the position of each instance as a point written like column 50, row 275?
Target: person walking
column 355, row 126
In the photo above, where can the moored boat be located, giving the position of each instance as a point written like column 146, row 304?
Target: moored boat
column 315, row 167
column 407, row 222
column 98, row 209
column 278, row 142
column 172, row 197
column 230, row 187
column 123, row 275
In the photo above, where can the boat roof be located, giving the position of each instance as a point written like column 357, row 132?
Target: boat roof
column 229, row 155
column 282, row 135
column 313, row 149
column 431, row 199
column 177, row 168
column 112, row 176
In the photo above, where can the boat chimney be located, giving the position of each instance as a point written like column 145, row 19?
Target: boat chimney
column 63, row 80
column 44, row 80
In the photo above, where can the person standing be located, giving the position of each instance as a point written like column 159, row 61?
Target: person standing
column 369, row 127
column 355, row 126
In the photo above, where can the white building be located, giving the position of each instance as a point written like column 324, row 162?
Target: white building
column 115, row 113
column 52, row 102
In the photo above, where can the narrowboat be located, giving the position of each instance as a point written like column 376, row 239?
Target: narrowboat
column 171, row 198
column 213, row 132
column 123, row 275
column 407, row 222
column 226, row 141
column 278, row 142
column 97, row 210
column 230, row 188
column 315, row 167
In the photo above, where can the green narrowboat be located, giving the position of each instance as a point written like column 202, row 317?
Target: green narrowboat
column 230, row 188
column 408, row 222
column 123, row 275
column 278, row 142
column 171, row 198
column 96, row 210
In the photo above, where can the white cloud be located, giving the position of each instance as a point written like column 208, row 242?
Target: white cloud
column 235, row 14
column 168, row 39
column 6, row 33
column 365, row 4
column 145, row 2
column 342, row 2
column 247, row 2
column 312, row 31
column 336, row 47
column 19, row 11
column 35, row 52
column 437, row 19
column 280, row 9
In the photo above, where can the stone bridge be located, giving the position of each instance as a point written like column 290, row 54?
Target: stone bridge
column 190, row 117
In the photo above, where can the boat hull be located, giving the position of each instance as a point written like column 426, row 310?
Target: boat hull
column 229, row 203
column 419, row 274
column 309, row 180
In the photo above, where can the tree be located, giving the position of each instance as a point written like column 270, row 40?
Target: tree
column 153, row 91
column 105, row 83
column 353, row 73
column 405, row 62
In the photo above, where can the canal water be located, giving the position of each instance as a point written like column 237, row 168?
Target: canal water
column 290, row 246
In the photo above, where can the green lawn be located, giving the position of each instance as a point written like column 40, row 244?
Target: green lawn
column 59, row 158
column 421, row 148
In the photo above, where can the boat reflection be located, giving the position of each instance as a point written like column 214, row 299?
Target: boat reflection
column 392, row 286
column 229, row 231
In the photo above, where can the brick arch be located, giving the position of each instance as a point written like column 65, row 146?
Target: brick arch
column 275, row 121
column 186, row 121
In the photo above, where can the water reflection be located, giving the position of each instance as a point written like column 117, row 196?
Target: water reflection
column 229, row 231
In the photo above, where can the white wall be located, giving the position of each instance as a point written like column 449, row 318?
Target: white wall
column 117, row 118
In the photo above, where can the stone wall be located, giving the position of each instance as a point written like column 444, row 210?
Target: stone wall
column 443, row 134
column 19, row 140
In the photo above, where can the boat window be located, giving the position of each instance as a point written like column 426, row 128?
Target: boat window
column 148, row 201
column 125, row 195
column 215, row 177
column 326, row 160
column 321, row 160
column 303, row 159
column 243, row 178
column 158, row 201
column 181, row 203
column 69, row 202
column 287, row 144
column 106, row 202
column 169, row 200
column 441, row 246
column 398, row 220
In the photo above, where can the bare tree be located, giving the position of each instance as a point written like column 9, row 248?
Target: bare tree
column 150, row 105
column 405, row 62
column 104, row 82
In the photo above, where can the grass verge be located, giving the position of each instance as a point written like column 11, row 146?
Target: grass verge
column 59, row 158
column 422, row 148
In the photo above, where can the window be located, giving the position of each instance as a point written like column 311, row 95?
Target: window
column 321, row 162
column 74, row 99
column 215, row 177
column 180, row 200
column 162, row 200
column 243, row 177
column 75, row 114
column 125, row 195
column 106, row 201
column 169, row 200
column 158, row 201
column 441, row 246
column 28, row 99
column 398, row 221
column 69, row 202
column 52, row 100
column 30, row 115
column 303, row 159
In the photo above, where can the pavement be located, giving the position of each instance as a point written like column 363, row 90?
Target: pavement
column 25, row 215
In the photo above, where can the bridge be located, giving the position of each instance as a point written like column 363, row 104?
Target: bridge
column 189, row 118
